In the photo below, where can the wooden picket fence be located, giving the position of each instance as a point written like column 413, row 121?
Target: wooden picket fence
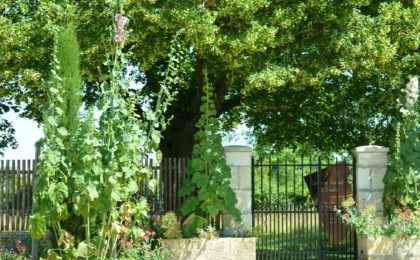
column 17, row 183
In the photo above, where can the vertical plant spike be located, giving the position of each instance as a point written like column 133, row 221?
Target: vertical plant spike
column 208, row 191
column 68, row 69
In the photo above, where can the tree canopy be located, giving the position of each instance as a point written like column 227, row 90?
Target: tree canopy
column 323, row 73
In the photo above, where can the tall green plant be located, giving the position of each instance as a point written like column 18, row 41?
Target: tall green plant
column 208, row 192
column 93, row 172
column 402, row 180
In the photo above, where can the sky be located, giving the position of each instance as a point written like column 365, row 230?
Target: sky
column 28, row 132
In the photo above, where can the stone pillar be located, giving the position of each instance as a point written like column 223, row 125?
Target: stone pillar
column 238, row 158
column 371, row 164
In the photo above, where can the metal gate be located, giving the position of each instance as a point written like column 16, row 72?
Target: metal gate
column 294, row 202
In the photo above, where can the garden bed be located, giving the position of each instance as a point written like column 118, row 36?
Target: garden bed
column 212, row 249
column 387, row 248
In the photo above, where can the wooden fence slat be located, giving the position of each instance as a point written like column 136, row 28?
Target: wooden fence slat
column 12, row 197
column 28, row 188
column 2, row 172
column 23, row 174
column 18, row 202
column 7, row 194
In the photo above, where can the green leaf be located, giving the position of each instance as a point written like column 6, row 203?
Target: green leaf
column 37, row 226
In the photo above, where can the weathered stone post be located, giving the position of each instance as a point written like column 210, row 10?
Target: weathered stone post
column 371, row 167
column 238, row 158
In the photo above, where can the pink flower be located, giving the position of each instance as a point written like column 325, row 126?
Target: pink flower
column 160, row 239
column 148, row 232
column 118, row 17
column 162, row 252
column 347, row 215
column 119, row 237
column 18, row 242
column 418, row 210
column 146, row 248
column 384, row 225
column 153, row 233
column 146, row 238
column 154, row 223
column 360, row 207
column 122, row 242
column 121, row 25
column 24, row 248
column 397, row 210
column 117, row 38
column 128, row 244
column 408, row 212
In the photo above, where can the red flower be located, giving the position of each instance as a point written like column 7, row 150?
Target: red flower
column 18, row 242
column 408, row 212
column 24, row 248
column 347, row 215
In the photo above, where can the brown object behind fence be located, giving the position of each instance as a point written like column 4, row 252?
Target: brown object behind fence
column 335, row 188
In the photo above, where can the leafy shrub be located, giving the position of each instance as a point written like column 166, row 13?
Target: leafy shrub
column 401, row 223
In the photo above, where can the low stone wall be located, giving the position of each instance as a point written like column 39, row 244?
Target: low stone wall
column 211, row 249
column 388, row 248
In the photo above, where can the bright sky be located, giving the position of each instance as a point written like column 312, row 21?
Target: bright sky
column 27, row 133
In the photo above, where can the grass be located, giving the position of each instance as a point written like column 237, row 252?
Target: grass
column 297, row 236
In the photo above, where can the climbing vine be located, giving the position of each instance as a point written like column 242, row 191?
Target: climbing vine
column 402, row 181
column 208, row 191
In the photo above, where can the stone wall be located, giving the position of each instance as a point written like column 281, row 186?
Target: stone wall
column 387, row 248
column 211, row 249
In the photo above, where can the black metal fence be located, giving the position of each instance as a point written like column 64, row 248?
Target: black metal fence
column 294, row 207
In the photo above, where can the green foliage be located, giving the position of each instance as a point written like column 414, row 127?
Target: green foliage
column 193, row 223
column 67, row 59
column 402, row 179
column 208, row 192
column 171, row 225
column 92, row 172
column 364, row 221
column 326, row 73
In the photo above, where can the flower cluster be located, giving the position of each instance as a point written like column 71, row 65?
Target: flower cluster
column 119, row 27
column 412, row 92
column 364, row 221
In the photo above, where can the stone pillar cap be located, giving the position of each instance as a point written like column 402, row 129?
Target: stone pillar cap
column 237, row 148
column 371, row 149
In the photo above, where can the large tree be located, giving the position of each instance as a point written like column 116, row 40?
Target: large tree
column 325, row 73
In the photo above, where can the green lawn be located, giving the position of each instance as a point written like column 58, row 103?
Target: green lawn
column 297, row 236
